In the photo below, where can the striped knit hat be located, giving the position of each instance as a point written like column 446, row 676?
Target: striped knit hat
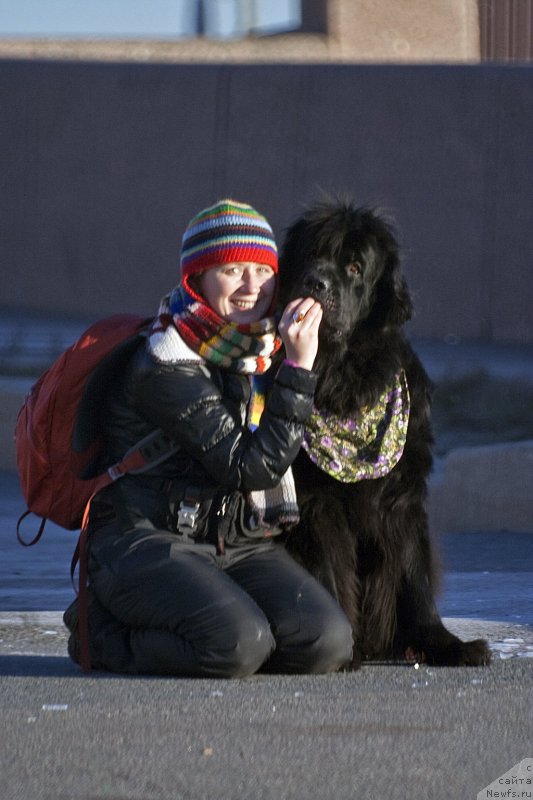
column 225, row 232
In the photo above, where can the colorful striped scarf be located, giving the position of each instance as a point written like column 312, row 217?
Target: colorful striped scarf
column 246, row 349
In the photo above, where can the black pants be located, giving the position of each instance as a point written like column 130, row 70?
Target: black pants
column 168, row 607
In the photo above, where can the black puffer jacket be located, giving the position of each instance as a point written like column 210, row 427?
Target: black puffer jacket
column 219, row 459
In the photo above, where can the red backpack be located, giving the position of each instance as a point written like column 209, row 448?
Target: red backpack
column 56, row 436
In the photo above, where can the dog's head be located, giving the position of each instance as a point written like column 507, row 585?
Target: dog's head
column 347, row 258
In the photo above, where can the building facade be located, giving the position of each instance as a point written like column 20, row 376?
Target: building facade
column 339, row 31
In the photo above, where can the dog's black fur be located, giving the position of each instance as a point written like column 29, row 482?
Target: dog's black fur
column 368, row 542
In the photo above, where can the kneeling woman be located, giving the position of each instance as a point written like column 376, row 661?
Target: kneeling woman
column 186, row 576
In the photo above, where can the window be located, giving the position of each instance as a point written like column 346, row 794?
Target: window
column 221, row 19
column 92, row 18
column 238, row 18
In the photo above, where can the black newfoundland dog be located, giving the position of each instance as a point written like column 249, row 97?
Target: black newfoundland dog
column 361, row 477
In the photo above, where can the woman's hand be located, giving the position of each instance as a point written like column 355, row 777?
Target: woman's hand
column 298, row 328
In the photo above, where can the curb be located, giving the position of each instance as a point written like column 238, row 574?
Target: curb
column 37, row 619
column 12, row 393
column 483, row 489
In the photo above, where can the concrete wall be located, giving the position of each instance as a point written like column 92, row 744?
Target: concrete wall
column 406, row 30
column 102, row 166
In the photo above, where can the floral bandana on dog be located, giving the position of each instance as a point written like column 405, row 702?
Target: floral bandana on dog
column 365, row 447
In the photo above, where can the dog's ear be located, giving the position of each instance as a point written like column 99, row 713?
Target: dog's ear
column 401, row 307
column 292, row 257
column 394, row 306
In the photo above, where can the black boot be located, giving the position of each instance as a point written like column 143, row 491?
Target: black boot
column 72, row 622
column 108, row 638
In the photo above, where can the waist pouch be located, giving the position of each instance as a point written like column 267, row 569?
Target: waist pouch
column 196, row 512
column 208, row 512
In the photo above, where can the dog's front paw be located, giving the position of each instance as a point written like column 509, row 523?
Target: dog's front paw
column 476, row 653
column 460, row 654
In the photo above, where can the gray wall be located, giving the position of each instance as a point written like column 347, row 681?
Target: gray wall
column 102, row 165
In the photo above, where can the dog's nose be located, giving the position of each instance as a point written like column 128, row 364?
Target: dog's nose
column 316, row 284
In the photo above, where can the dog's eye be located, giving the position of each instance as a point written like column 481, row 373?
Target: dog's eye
column 354, row 268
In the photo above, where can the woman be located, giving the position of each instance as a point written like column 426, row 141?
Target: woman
column 186, row 577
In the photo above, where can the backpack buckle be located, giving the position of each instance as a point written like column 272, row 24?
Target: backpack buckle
column 187, row 516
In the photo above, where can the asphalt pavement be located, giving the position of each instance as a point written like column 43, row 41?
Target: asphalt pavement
column 382, row 732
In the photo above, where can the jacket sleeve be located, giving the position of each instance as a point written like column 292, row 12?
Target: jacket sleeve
column 185, row 402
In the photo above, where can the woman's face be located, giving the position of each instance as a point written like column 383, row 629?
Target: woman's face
column 240, row 292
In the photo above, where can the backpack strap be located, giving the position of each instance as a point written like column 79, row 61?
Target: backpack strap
column 146, row 454
column 149, row 452
column 37, row 536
